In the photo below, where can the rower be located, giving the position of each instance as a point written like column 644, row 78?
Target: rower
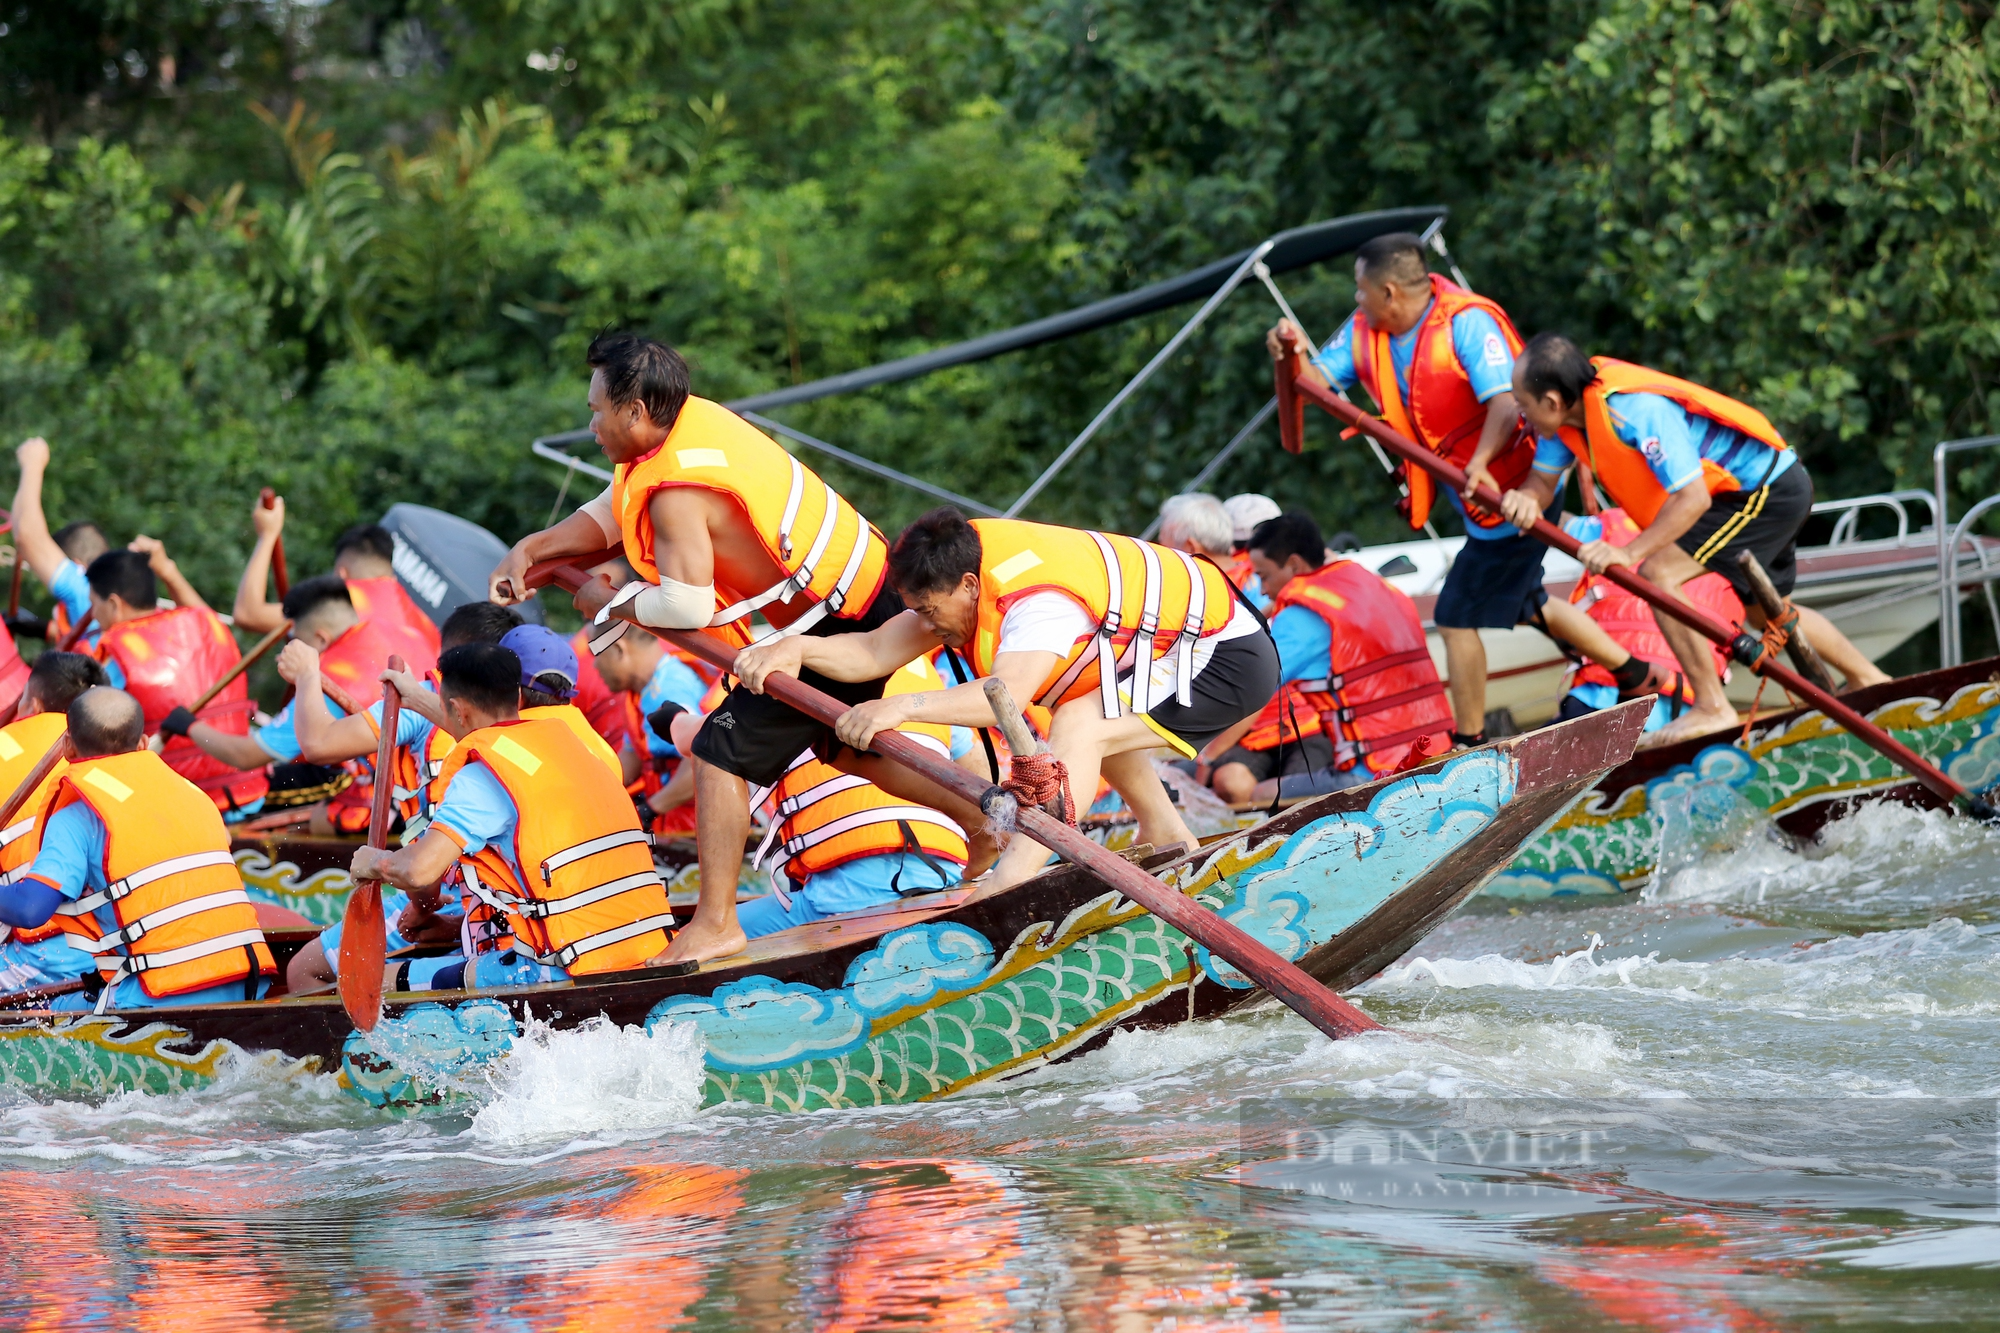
column 166, row 659
column 720, row 524
column 1630, row 623
column 640, row 667
column 352, row 654
column 135, row 867
column 1047, row 610
column 1246, row 511
column 1702, row 475
column 1436, row 358
column 524, row 793
column 363, row 558
column 1361, row 697
column 57, row 559
column 423, row 739
column 1198, row 524
column 844, row 844
column 548, row 687
column 38, row 955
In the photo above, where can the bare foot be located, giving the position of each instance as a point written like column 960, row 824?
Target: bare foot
column 1687, row 726
column 698, row 942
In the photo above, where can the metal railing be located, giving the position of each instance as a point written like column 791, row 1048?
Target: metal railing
column 1846, row 527
column 1951, row 643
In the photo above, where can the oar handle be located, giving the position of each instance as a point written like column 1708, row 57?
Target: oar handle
column 16, row 999
column 385, row 749
column 341, row 697
column 36, row 776
column 269, row 499
column 14, row 588
column 1745, row 648
column 1020, row 740
column 1773, row 602
column 243, row 664
column 1306, row 997
column 75, row 635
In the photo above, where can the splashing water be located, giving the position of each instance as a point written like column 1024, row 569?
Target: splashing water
column 595, row 1078
column 1699, row 822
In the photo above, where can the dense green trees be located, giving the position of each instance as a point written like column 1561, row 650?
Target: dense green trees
column 353, row 249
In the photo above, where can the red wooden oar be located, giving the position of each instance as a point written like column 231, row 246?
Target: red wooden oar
column 269, row 499
column 1304, row 996
column 363, row 938
column 1747, row 648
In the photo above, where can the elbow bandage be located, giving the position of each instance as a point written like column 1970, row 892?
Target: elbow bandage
column 670, row 605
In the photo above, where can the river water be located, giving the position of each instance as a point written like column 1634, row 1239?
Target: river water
column 1763, row 1097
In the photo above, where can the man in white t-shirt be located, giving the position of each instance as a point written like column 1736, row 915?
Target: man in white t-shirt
column 1043, row 649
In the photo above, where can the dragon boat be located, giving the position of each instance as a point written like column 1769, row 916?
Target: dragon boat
column 1795, row 765
column 932, row 994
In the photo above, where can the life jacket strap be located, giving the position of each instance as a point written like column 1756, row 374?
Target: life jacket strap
column 1341, row 680
column 860, row 819
column 567, row 956
column 1184, row 644
column 135, row 931
column 134, row 964
column 139, row 879
column 15, row 832
column 541, row 909
column 591, row 847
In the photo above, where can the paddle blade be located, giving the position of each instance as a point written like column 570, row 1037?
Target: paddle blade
column 363, row 943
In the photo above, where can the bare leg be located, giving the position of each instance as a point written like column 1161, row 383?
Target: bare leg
column 1233, row 782
column 1160, row 823
column 723, row 825
column 1839, row 651
column 1465, row 664
column 1669, row 569
column 1573, row 626
column 309, row 969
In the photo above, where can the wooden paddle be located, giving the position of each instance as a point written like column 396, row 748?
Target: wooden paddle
column 243, row 664
column 1797, row 645
column 363, row 937
column 269, row 499
column 1283, row 979
column 15, row 999
column 1294, row 393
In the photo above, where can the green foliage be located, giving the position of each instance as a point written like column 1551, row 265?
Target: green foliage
column 355, row 249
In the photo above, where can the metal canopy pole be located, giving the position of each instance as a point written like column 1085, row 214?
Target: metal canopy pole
column 1949, row 647
column 1160, row 358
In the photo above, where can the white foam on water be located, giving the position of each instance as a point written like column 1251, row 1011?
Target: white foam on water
column 591, row 1080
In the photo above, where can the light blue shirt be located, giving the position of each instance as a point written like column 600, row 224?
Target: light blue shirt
column 72, row 589
column 1305, row 645
column 280, row 739
column 672, row 680
column 866, row 882
column 413, row 729
column 1481, row 351
column 478, row 810
column 1674, row 442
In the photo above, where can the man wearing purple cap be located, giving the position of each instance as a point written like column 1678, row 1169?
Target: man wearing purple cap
column 548, row 684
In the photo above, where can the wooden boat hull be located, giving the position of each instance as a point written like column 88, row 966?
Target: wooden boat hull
column 1796, row 766
column 937, row 993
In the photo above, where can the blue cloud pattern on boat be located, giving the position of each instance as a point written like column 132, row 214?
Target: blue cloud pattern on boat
column 420, row 1055
column 1521, row 882
column 1304, row 895
column 759, row 1023
column 1976, row 766
column 1718, row 763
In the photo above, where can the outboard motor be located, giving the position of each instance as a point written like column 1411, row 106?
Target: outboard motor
column 444, row 560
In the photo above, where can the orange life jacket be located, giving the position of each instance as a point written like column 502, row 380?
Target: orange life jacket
column 1383, row 694
column 572, row 717
column 185, row 923
column 1629, row 620
column 13, row 671
column 412, row 774
column 1239, row 572
column 835, row 557
column 384, row 603
column 1442, row 413
column 1622, row 470
column 593, row 901
column 22, row 745
column 826, row 818
column 170, row 657
column 1147, row 601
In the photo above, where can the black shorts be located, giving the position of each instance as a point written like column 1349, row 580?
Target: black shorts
column 1765, row 522
column 1238, row 681
column 1494, row 583
column 1305, row 756
column 755, row 737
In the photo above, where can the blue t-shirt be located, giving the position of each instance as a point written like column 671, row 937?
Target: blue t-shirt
column 413, row 729
column 280, row 739
column 478, row 810
column 72, row 589
column 1674, row 442
column 672, row 680
column 1481, row 351
column 1305, row 645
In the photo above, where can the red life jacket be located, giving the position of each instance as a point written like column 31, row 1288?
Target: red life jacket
column 1383, row 694
column 597, row 700
column 385, row 604
column 169, row 658
column 1629, row 620
column 1442, row 412
column 355, row 662
column 13, row 671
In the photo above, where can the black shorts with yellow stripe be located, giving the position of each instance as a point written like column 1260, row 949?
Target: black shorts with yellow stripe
column 1765, row 522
